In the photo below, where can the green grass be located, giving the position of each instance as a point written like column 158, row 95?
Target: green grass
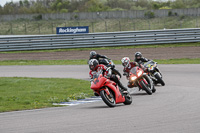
column 179, row 61
column 43, row 62
column 84, row 62
column 174, row 61
column 117, row 47
column 33, row 93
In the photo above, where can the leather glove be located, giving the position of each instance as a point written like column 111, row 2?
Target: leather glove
column 125, row 74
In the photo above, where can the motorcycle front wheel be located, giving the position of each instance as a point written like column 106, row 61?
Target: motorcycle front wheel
column 108, row 99
column 145, row 88
column 160, row 80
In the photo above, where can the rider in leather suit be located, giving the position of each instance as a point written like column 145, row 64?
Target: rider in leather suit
column 107, row 72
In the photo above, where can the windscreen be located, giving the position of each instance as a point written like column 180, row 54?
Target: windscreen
column 148, row 64
column 133, row 70
column 96, row 74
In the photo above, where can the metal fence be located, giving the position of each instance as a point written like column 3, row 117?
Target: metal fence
column 109, row 25
column 132, row 14
column 38, row 42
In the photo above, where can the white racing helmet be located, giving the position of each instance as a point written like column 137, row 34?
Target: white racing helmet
column 93, row 63
column 125, row 61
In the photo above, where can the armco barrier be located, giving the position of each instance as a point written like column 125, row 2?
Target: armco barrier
column 38, row 42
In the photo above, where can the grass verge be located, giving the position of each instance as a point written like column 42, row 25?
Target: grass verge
column 43, row 62
column 175, row 61
column 84, row 62
column 179, row 61
column 33, row 93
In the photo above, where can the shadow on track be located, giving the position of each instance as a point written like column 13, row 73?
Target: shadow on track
column 139, row 94
column 103, row 107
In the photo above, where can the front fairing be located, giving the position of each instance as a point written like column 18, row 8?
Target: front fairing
column 133, row 71
column 150, row 65
column 119, row 98
column 135, row 74
column 97, row 81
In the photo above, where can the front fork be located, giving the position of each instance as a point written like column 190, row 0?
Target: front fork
column 106, row 90
column 144, row 80
column 158, row 70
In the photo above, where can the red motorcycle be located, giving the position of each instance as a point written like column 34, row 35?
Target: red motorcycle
column 109, row 91
column 137, row 77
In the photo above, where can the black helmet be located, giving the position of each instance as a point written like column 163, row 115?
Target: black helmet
column 138, row 55
column 93, row 54
column 93, row 63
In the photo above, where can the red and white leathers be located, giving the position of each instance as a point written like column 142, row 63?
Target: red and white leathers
column 98, row 68
column 107, row 73
column 127, row 69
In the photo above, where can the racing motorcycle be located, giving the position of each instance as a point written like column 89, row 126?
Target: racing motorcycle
column 137, row 78
column 108, row 90
column 110, row 63
column 154, row 72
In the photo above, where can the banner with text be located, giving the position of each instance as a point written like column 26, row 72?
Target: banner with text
column 72, row 30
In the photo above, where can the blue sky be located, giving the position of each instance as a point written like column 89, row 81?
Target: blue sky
column 3, row 2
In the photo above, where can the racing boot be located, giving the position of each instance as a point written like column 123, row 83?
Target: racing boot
column 123, row 88
column 116, row 80
column 131, row 85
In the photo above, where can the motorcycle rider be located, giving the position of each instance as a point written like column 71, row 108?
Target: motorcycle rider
column 94, row 55
column 102, row 59
column 107, row 72
column 128, row 65
column 140, row 59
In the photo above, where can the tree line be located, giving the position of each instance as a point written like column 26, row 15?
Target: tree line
column 65, row 6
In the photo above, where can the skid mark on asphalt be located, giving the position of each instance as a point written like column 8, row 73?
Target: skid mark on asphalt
column 87, row 100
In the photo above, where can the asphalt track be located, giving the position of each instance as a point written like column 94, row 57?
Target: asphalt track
column 174, row 108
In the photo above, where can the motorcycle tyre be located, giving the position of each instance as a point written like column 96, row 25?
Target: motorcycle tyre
column 144, row 87
column 128, row 99
column 106, row 100
column 160, row 80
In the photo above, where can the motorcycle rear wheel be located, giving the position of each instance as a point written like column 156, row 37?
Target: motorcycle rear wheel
column 109, row 100
column 128, row 99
